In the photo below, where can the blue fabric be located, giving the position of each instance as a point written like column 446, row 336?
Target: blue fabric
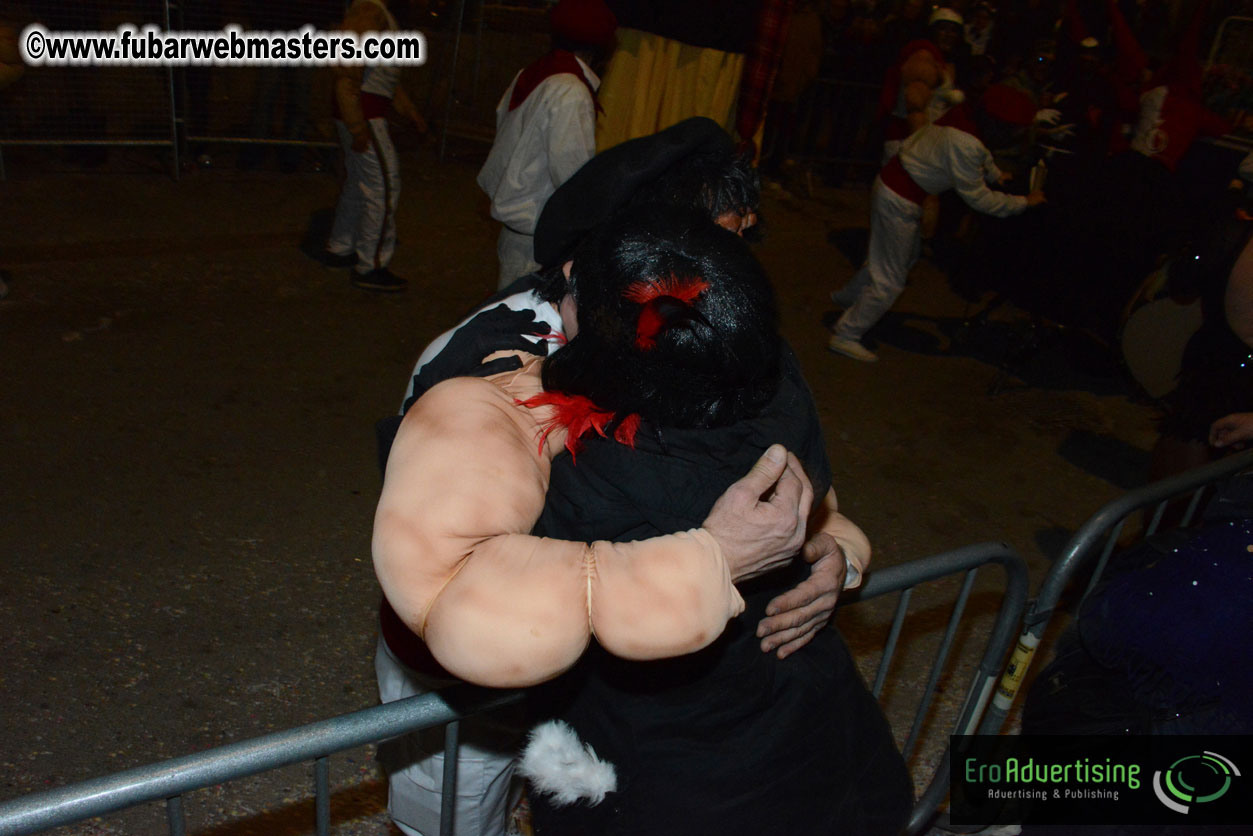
column 1181, row 627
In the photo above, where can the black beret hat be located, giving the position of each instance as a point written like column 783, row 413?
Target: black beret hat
column 607, row 182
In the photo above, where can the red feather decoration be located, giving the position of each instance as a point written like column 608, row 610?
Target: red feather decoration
column 684, row 289
column 646, row 293
column 579, row 416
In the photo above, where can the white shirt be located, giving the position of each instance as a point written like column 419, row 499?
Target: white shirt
column 939, row 158
column 539, row 144
column 381, row 79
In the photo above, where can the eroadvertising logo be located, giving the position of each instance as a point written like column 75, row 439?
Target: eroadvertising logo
column 1097, row 780
column 1210, row 772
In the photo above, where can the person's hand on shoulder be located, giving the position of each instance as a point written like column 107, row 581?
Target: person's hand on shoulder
column 759, row 522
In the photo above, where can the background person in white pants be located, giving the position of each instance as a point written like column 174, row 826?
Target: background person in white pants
column 545, row 129
column 363, row 236
column 944, row 155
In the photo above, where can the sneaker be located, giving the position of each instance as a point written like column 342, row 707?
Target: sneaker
column 382, row 280
column 851, row 348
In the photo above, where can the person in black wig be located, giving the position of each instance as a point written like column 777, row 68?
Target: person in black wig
column 692, row 164
column 674, row 348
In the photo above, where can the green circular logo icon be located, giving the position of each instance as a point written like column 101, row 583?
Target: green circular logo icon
column 1194, row 779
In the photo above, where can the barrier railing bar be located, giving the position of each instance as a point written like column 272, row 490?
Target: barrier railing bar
column 1193, row 504
column 322, row 795
column 889, row 648
column 170, row 779
column 1080, row 546
column 175, row 817
column 86, row 142
column 447, row 809
column 152, row 782
column 169, row 81
column 248, row 140
column 452, row 79
column 1000, row 637
column 937, row 666
column 478, row 56
column 1110, row 542
column 1157, row 519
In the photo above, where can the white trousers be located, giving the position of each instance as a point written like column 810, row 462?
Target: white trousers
column 517, row 256
column 895, row 241
column 415, row 763
column 365, row 217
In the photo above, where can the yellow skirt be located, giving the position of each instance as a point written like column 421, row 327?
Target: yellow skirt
column 653, row 82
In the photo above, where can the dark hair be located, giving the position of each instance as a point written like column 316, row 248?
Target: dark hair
column 714, row 181
column 712, row 361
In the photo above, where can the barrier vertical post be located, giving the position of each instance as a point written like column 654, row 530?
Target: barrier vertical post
column 452, row 79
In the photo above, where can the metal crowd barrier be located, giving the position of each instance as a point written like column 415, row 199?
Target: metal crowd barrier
column 971, row 718
column 87, row 108
column 169, row 780
column 835, row 125
column 1106, row 524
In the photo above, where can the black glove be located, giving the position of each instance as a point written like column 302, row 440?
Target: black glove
column 495, row 329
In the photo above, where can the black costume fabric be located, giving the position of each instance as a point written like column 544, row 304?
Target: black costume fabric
column 607, row 182
column 729, row 740
column 712, row 24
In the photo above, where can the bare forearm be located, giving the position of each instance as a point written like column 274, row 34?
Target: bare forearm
column 851, row 539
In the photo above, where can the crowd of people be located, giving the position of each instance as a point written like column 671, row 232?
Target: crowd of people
column 1102, row 100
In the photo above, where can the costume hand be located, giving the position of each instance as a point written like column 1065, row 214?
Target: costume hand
column 756, row 534
column 795, row 617
column 1035, row 199
column 1006, row 177
column 1048, row 116
column 496, row 329
column 1231, row 429
column 361, row 140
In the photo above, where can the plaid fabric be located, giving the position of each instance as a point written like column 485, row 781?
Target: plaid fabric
column 761, row 64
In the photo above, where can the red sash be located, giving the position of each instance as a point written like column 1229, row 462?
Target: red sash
column 896, row 178
column 373, row 106
column 557, row 62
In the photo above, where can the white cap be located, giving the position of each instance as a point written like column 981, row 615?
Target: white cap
column 945, row 15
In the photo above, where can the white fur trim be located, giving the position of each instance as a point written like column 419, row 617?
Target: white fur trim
column 560, row 765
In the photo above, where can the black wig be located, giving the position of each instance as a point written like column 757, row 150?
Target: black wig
column 676, row 322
